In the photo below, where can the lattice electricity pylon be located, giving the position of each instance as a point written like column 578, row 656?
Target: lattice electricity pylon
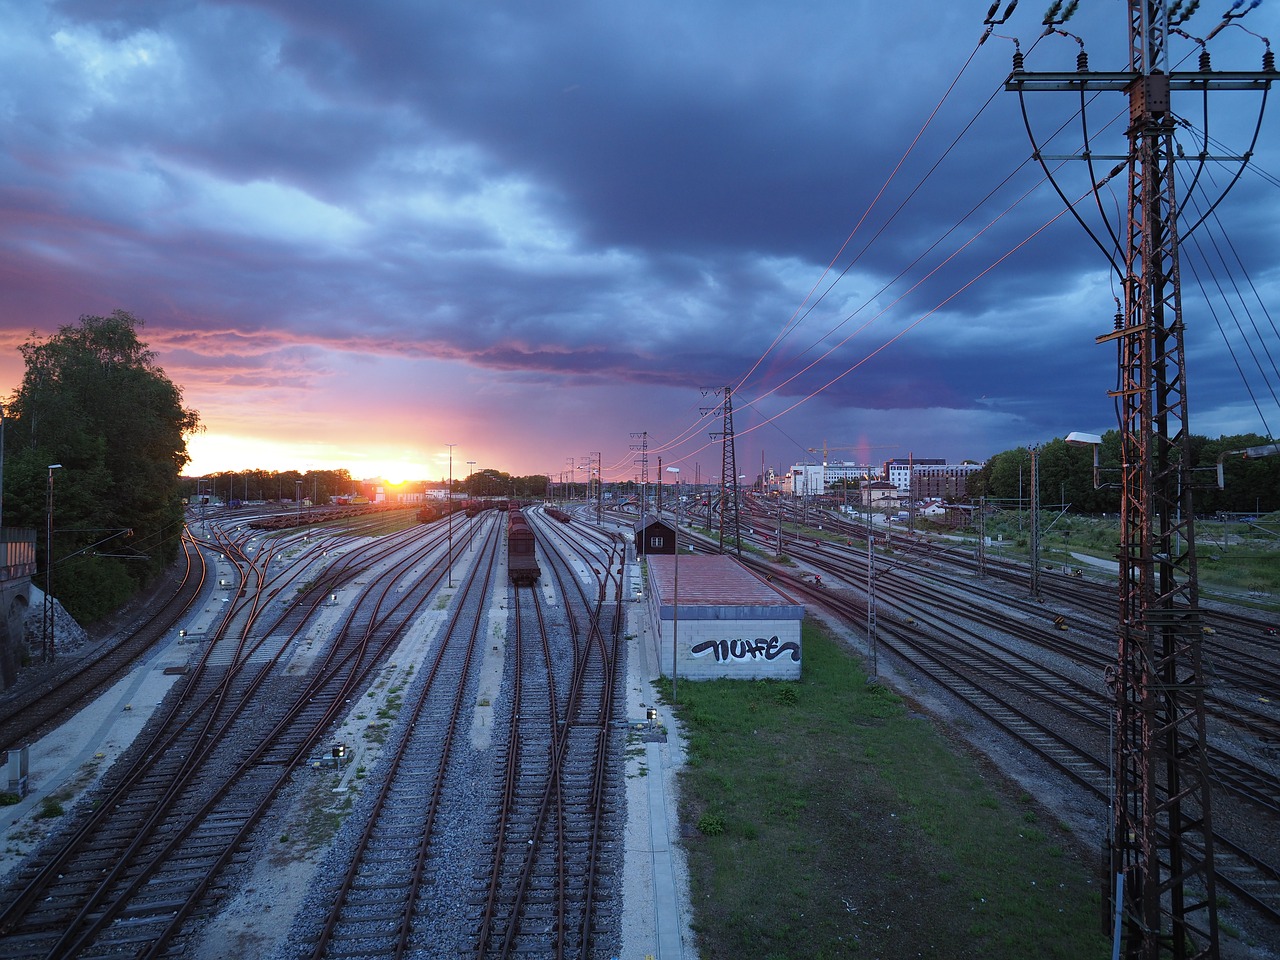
column 643, row 463
column 730, row 517
column 595, row 482
column 1161, row 843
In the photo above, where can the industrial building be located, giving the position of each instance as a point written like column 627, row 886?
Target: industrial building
column 718, row 619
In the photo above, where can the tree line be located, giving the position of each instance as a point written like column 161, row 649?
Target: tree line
column 1251, row 485
column 322, row 486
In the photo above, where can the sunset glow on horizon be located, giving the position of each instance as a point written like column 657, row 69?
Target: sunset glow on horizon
column 356, row 235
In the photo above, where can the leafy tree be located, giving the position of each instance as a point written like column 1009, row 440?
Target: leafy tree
column 1250, row 484
column 93, row 400
column 486, row 483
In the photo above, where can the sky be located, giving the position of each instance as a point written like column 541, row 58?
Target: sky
column 549, row 231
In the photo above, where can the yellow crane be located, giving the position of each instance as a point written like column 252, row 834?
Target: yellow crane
column 857, row 447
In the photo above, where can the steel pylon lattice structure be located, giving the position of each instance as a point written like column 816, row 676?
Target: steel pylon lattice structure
column 1161, row 836
column 730, row 517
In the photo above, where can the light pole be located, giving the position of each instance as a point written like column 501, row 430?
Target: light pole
column 1035, row 522
column 872, row 640
column 47, row 639
column 449, row 495
column 1, row 466
column 675, row 608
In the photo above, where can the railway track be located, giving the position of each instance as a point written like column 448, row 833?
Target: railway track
column 935, row 626
column 31, row 709
column 168, row 822
column 505, row 847
column 377, row 904
column 559, row 777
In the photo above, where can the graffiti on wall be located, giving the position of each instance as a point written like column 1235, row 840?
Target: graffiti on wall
column 757, row 649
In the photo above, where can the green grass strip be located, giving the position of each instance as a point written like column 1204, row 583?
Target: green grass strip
column 823, row 818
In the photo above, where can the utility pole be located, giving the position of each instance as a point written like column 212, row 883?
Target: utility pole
column 1034, row 523
column 1161, row 844
column 873, row 642
column 729, row 515
column 982, row 536
column 643, row 463
column 592, row 466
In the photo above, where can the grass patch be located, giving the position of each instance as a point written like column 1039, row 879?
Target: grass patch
column 49, row 807
column 1238, row 560
column 829, row 821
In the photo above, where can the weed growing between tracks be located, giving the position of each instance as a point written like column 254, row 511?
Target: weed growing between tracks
column 823, row 819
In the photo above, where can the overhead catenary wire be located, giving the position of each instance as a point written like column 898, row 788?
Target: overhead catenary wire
column 913, row 324
column 915, row 286
column 797, row 316
column 1253, row 344
column 810, row 302
column 792, row 322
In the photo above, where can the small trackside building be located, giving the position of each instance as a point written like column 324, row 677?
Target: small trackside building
column 654, row 535
column 731, row 623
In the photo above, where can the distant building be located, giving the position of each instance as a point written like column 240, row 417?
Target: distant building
column 812, row 480
column 918, row 479
column 805, row 480
column 898, row 472
column 947, row 481
column 879, row 494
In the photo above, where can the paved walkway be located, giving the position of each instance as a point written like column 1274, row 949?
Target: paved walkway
column 1112, row 566
column 659, row 932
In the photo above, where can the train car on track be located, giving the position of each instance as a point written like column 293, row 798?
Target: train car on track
column 522, row 561
column 557, row 514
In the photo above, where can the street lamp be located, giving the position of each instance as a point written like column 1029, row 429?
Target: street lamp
column 675, row 609
column 449, row 494
column 47, row 639
column 1077, row 439
column 1, row 466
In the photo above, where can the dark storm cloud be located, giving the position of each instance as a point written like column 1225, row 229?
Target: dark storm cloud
column 576, row 193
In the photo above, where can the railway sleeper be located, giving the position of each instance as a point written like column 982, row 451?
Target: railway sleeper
column 1248, row 878
column 362, row 896
column 23, row 946
column 376, row 934
column 376, row 887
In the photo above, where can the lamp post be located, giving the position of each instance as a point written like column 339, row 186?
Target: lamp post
column 449, row 494
column 1, row 466
column 675, row 608
column 1035, row 522
column 47, row 639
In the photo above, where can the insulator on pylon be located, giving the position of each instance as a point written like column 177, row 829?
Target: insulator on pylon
column 1082, row 62
column 1119, row 321
column 1269, row 61
column 1205, row 67
column 1017, row 61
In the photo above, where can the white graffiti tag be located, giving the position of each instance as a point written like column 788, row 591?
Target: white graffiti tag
column 757, row 649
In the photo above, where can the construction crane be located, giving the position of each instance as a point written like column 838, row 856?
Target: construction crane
column 856, row 447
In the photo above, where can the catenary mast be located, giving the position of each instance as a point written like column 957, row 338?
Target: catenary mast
column 1161, row 837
